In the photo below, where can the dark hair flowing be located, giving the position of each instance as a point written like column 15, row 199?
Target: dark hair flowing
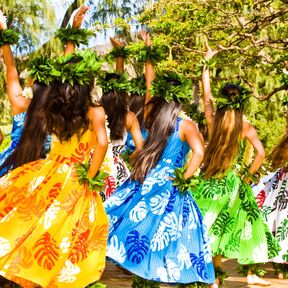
column 136, row 105
column 160, row 122
column 30, row 146
column 116, row 108
column 223, row 145
column 66, row 110
column 279, row 155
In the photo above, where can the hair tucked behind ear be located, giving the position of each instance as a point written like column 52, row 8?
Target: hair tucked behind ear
column 30, row 146
column 116, row 109
column 279, row 155
column 224, row 143
column 160, row 123
column 66, row 110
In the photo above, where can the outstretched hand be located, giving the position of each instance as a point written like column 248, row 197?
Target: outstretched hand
column 117, row 43
column 209, row 52
column 3, row 24
column 146, row 37
column 79, row 16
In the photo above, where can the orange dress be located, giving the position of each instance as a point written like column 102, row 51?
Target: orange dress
column 53, row 230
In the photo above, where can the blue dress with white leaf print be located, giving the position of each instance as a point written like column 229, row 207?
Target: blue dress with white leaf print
column 155, row 231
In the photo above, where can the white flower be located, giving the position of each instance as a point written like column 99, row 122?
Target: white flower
column 51, row 214
column 35, row 183
column 68, row 272
column 4, row 246
column 247, row 231
column 65, row 244
column 116, row 250
column 27, row 93
column 139, row 212
column 183, row 258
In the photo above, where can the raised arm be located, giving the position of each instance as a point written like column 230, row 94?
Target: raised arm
column 17, row 101
column 251, row 134
column 97, row 117
column 208, row 98
column 149, row 67
column 189, row 133
column 119, row 60
column 77, row 22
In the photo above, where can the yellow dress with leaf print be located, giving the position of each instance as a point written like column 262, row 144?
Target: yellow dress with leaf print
column 53, row 230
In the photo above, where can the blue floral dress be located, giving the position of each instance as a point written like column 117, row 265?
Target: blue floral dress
column 155, row 231
column 18, row 124
column 129, row 143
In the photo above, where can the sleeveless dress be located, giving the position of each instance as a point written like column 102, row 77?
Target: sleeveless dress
column 236, row 228
column 53, row 231
column 17, row 128
column 155, row 231
column 273, row 204
column 129, row 143
column 119, row 171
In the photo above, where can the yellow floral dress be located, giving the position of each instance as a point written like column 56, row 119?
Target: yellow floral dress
column 53, row 230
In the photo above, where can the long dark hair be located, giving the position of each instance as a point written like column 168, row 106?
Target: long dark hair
column 66, row 110
column 223, row 145
column 116, row 108
column 30, row 146
column 136, row 105
column 279, row 155
column 160, row 122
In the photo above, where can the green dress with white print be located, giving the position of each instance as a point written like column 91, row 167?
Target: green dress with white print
column 231, row 214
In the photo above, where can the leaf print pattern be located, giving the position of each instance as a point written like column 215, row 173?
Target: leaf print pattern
column 46, row 251
column 116, row 249
column 68, row 272
column 198, row 263
column 247, row 231
column 139, row 212
column 137, row 247
column 170, row 273
column 159, row 202
column 51, row 214
column 183, row 258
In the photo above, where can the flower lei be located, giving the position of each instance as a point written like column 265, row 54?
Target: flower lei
column 8, row 36
column 163, row 87
column 184, row 185
column 27, row 93
column 119, row 85
column 76, row 68
column 75, row 35
column 94, row 184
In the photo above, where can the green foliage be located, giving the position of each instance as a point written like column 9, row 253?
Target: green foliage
column 120, row 51
column 254, row 268
column 221, row 274
column 126, row 158
column 79, row 67
column 281, row 268
column 138, row 282
column 138, row 86
column 193, row 112
column 120, row 85
column 75, row 35
column 172, row 87
column 96, row 285
column 94, row 184
column 8, row 36
column 183, row 184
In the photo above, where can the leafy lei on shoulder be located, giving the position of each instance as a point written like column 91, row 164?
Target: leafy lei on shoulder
column 76, row 35
column 172, row 87
column 8, row 36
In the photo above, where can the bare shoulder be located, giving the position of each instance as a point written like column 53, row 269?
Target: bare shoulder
column 97, row 112
column 187, row 125
column 130, row 118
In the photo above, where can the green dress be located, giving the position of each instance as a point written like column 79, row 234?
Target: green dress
column 231, row 214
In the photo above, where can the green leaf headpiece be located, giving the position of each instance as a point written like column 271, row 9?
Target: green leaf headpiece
column 76, row 68
column 172, row 87
column 114, row 82
column 138, row 86
column 232, row 96
column 8, row 36
column 75, row 35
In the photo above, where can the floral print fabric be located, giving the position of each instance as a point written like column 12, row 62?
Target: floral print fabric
column 155, row 231
column 53, row 231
